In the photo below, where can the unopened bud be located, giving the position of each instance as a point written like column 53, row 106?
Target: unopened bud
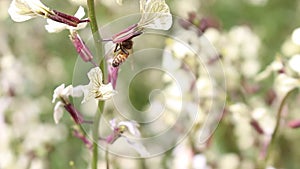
column 84, row 52
column 294, row 123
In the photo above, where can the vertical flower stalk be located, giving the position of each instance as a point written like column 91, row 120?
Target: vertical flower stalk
column 97, row 39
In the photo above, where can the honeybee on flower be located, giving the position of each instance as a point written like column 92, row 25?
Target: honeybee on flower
column 155, row 14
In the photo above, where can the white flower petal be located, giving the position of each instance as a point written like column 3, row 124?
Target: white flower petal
column 95, row 76
column 132, row 127
column 294, row 63
column 58, row 111
column 296, row 36
column 113, row 124
column 67, row 91
column 155, row 14
column 54, row 27
column 96, row 89
column 80, row 13
column 106, row 91
column 78, row 91
column 284, row 83
column 139, row 147
column 87, row 94
column 79, row 26
column 22, row 10
column 57, row 92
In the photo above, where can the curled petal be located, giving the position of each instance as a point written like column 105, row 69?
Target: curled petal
column 58, row 112
column 57, row 92
column 67, row 91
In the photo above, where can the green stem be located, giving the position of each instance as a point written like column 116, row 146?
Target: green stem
column 107, row 158
column 93, row 23
column 96, row 134
column 277, row 125
column 97, row 40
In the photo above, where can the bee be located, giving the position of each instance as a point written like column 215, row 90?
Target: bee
column 155, row 14
column 122, row 52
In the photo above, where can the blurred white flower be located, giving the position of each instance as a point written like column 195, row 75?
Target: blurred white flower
column 96, row 89
column 120, row 2
column 290, row 48
column 229, row 161
column 132, row 127
column 54, row 27
column 265, row 119
column 284, row 83
column 296, row 36
column 275, row 66
column 257, row 2
column 199, row 162
column 294, row 63
column 183, row 156
column 155, row 14
column 22, row 10
column 270, row 167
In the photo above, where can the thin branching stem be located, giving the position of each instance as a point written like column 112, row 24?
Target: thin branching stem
column 277, row 125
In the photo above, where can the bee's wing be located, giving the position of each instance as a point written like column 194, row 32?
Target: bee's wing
column 109, row 50
column 155, row 14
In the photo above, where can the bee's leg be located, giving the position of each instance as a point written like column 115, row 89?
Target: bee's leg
column 123, row 50
column 116, row 48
